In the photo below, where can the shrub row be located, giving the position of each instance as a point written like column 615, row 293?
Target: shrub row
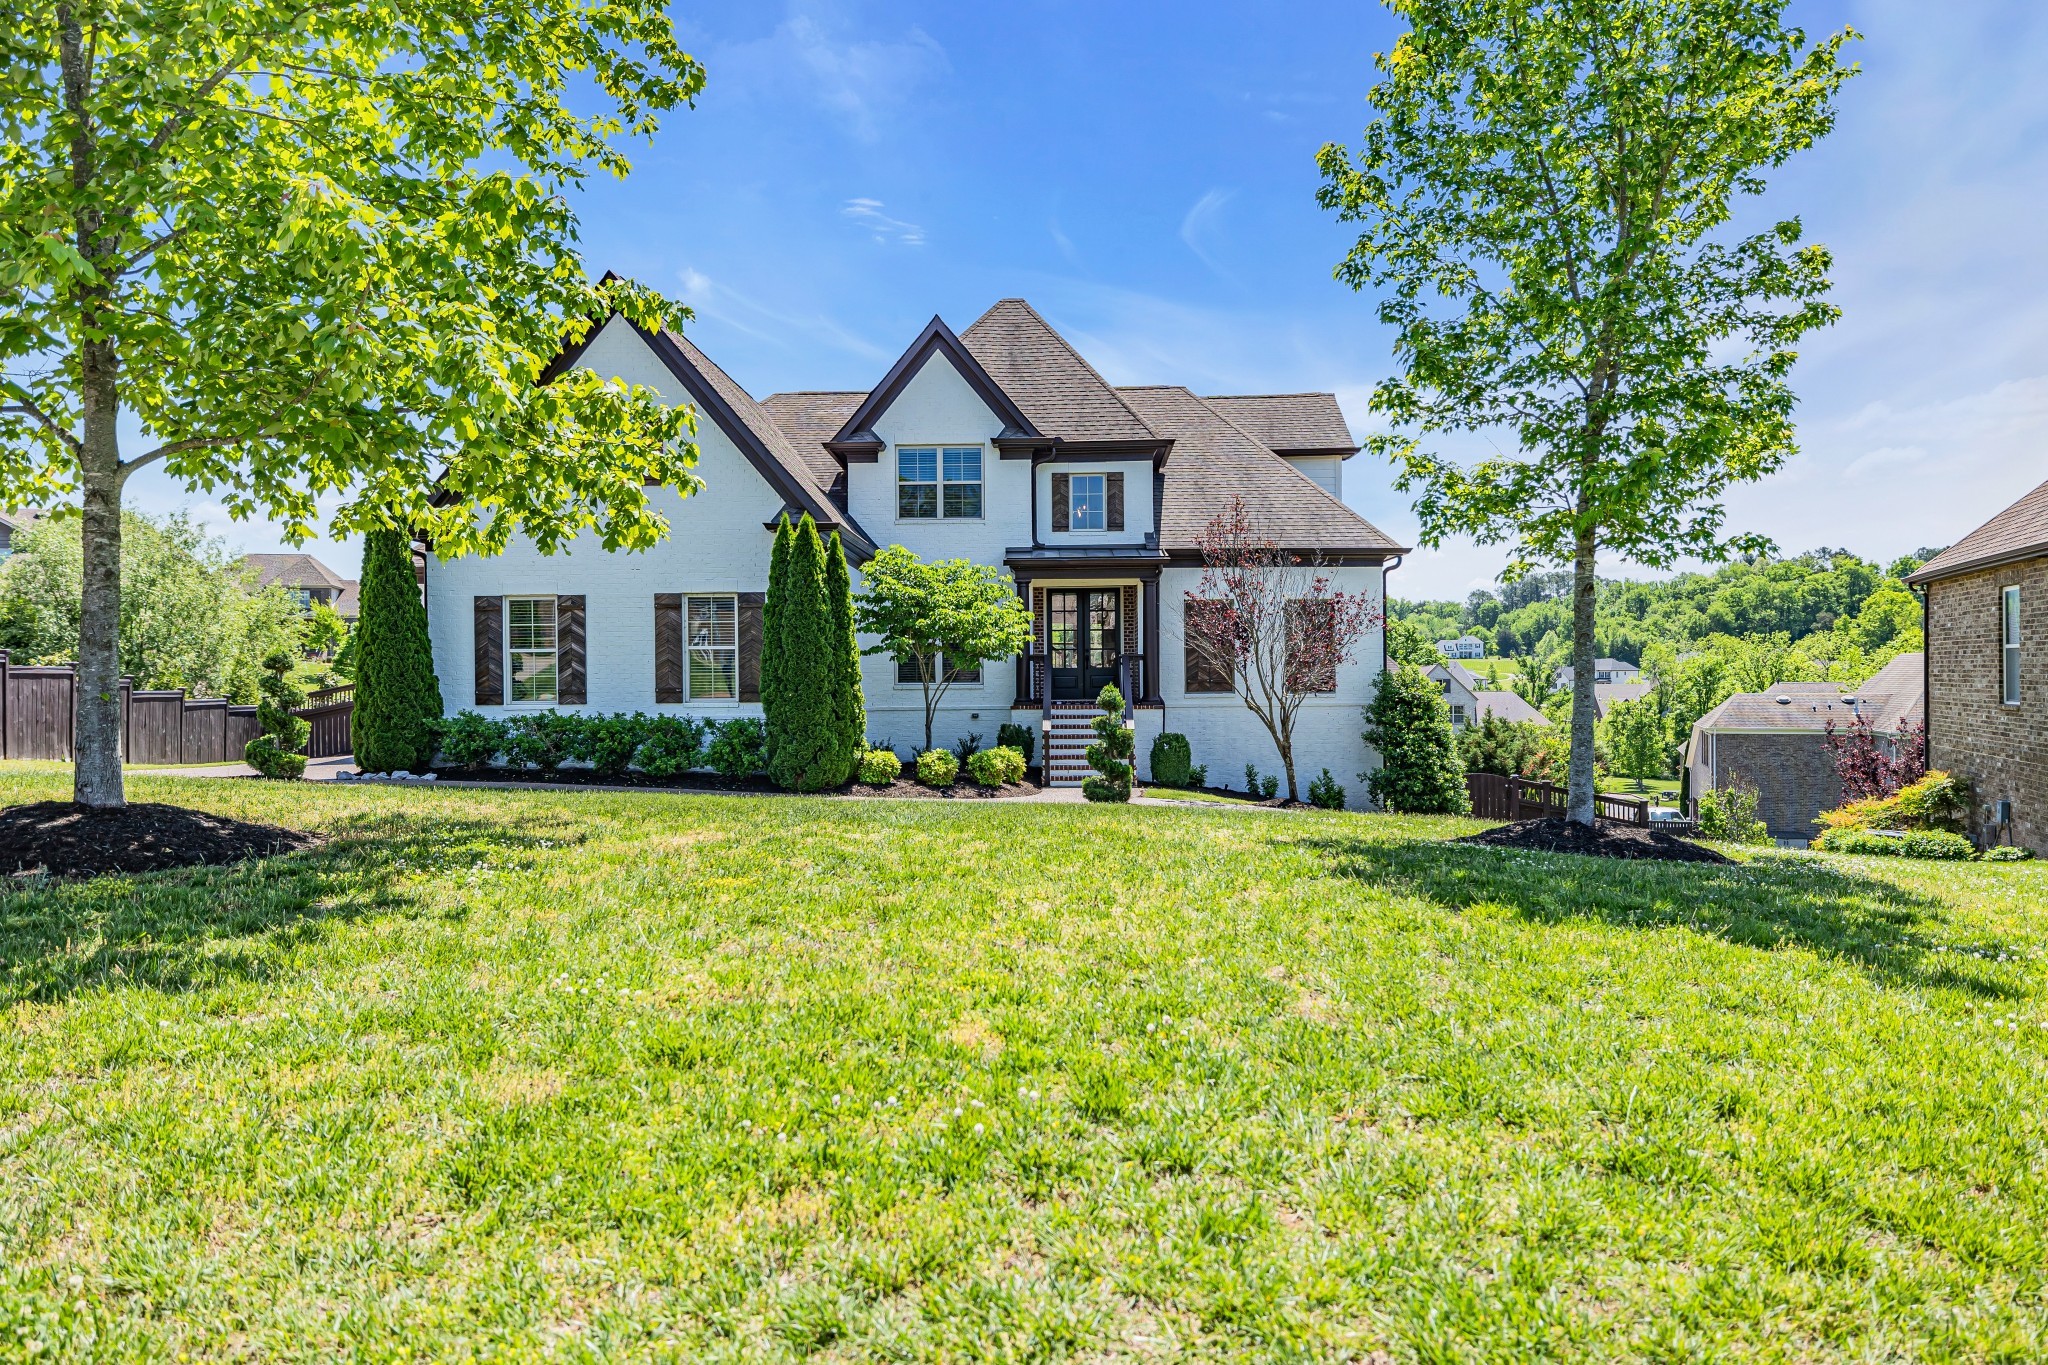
column 659, row 746
column 1936, row 802
column 1919, row 843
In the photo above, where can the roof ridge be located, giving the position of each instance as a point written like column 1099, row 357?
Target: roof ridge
column 1284, row 393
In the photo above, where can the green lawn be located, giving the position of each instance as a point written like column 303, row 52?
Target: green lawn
column 1664, row 789
column 641, row 1076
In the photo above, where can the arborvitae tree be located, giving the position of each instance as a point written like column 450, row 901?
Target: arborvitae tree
column 849, row 704
column 1409, row 723
column 772, row 612
column 397, row 696
column 807, row 752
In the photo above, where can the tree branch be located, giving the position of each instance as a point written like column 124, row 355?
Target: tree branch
column 27, row 408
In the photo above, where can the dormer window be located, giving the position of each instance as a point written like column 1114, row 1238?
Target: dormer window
column 938, row 481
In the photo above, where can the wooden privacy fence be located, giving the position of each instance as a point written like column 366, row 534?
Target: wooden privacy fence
column 39, row 718
column 1495, row 797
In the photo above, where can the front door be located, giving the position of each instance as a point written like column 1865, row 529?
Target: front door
column 1084, row 635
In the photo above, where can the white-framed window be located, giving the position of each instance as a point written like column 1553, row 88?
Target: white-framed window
column 2009, row 638
column 1087, row 502
column 1457, row 717
column 938, row 481
column 530, row 650
column 711, row 631
column 907, row 674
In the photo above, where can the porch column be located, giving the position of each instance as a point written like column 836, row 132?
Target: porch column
column 1150, row 613
column 1027, row 676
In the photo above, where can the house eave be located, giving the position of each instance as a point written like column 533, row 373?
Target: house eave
column 1921, row 578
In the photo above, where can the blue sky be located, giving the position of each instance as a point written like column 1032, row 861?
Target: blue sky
column 1144, row 174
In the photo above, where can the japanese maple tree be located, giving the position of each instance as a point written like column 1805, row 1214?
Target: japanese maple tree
column 1274, row 622
column 1874, row 766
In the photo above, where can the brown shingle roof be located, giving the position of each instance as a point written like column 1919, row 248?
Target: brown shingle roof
column 1892, row 700
column 1606, row 694
column 2019, row 532
column 1213, row 460
column 293, row 571
column 1509, row 706
column 810, row 420
column 1288, row 421
column 1046, row 378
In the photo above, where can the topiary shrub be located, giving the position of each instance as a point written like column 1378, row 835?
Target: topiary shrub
column 937, row 768
column 1729, row 814
column 1022, row 738
column 275, row 752
column 1409, row 724
column 670, row 746
column 1919, row 843
column 542, row 739
column 735, row 750
column 1172, row 760
column 469, row 740
column 1111, row 753
column 610, row 743
column 880, row 767
column 397, row 698
column 1326, row 792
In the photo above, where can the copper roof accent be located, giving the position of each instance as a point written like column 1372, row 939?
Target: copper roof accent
column 1289, row 422
column 1213, row 460
column 2019, row 532
column 1059, row 391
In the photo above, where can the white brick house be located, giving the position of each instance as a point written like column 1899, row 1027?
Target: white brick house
column 999, row 445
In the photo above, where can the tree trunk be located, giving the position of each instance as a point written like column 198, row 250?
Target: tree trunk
column 96, row 775
column 1287, row 764
column 1581, row 802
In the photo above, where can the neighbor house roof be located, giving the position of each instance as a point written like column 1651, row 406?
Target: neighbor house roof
column 21, row 518
column 1214, row 461
column 1452, row 668
column 2019, row 532
column 1606, row 694
column 1892, row 700
column 348, row 603
column 294, row 571
column 1059, row 391
column 1290, row 423
column 1509, row 706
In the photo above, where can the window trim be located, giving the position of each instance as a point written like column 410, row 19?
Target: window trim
column 2009, row 640
column 690, row 697
column 940, row 482
column 554, row 698
column 1072, row 476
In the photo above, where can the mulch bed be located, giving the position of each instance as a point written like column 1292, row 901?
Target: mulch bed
column 904, row 786
column 1602, row 840
column 60, row 839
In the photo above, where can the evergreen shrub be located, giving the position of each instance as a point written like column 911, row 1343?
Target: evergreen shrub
column 937, row 768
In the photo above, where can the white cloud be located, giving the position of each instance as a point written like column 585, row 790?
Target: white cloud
column 868, row 214
column 863, row 81
column 749, row 316
column 1200, row 224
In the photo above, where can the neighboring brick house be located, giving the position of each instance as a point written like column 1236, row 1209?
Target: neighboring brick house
column 1987, row 670
column 1776, row 741
column 307, row 580
column 1001, row 445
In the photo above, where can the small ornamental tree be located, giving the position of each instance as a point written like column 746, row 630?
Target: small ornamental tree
column 1272, row 623
column 1409, row 723
column 849, row 706
column 308, row 256
column 1111, row 753
column 942, row 617
column 397, row 699
column 275, row 752
column 1635, row 739
column 1873, row 766
column 805, row 749
column 1545, row 196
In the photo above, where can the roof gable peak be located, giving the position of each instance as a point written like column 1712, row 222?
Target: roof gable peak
column 936, row 338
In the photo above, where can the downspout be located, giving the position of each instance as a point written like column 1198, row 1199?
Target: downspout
column 1927, row 677
column 1387, row 566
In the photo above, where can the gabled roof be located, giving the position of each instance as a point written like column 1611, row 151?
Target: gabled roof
column 1606, row 694
column 1451, row 668
column 1059, row 391
column 2019, row 532
column 1509, row 706
column 294, row 571
column 1213, row 460
column 936, row 339
column 1290, row 423
column 1893, row 699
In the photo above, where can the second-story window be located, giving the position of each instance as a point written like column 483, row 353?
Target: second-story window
column 938, row 481
column 1088, row 509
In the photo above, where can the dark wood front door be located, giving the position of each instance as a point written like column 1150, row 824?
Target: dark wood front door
column 1084, row 635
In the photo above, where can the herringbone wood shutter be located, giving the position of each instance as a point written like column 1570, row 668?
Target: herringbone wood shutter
column 490, row 651
column 668, row 647
column 1060, row 517
column 751, row 604
column 1115, row 485
column 572, row 674
column 1207, row 659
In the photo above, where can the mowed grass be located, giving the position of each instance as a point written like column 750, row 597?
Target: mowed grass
column 620, row 1077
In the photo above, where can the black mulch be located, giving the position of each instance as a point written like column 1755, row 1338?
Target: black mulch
column 1602, row 840
column 712, row 782
column 65, row 840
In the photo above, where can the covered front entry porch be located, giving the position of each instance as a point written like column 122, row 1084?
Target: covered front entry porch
column 1093, row 624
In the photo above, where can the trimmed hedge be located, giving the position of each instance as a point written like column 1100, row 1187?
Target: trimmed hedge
column 1920, row 843
column 1172, row 760
column 659, row 746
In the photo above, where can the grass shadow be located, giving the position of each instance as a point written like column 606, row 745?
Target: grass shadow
column 166, row 931
column 1766, row 903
